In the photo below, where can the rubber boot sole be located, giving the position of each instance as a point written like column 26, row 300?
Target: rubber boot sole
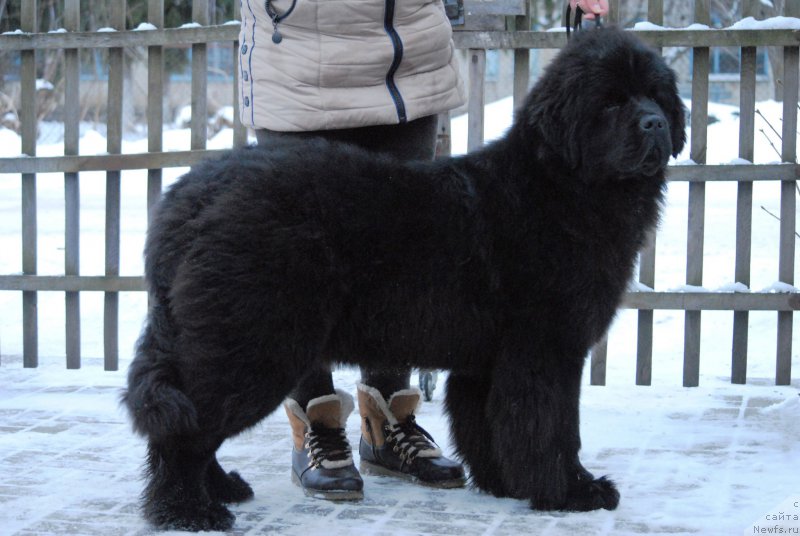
column 329, row 495
column 369, row 468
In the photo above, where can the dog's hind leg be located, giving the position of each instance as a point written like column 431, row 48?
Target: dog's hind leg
column 465, row 401
column 175, row 496
column 533, row 406
column 256, row 395
column 226, row 487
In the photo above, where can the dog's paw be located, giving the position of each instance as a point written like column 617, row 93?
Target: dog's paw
column 592, row 494
column 583, row 495
column 191, row 516
column 230, row 489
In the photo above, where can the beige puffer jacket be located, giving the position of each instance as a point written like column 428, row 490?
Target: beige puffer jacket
column 345, row 63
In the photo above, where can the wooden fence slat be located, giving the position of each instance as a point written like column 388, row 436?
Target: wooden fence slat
column 655, row 11
column 744, row 210
column 199, row 80
column 475, row 106
column 713, row 301
column 647, row 266
column 444, row 140
column 28, row 115
column 155, row 105
column 239, row 130
column 599, row 353
column 522, row 61
column 697, row 200
column 644, row 337
column 676, row 301
column 116, row 162
column 73, row 283
column 463, row 39
column 72, row 187
column 791, row 76
column 598, row 361
column 121, row 162
column 116, row 68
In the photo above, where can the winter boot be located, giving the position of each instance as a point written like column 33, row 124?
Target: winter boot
column 392, row 443
column 322, row 463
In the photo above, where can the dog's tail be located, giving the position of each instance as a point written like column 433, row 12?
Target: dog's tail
column 157, row 406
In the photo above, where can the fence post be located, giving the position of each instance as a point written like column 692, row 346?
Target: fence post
column 72, row 119
column 28, row 115
column 155, row 104
column 744, row 210
column 199, row 80
column 783, row 367
column 522, row 56
column 475, row 106
column 113, row 202
column 697, row 199
column 239, row 130
column 599, row 352
column 647, row 266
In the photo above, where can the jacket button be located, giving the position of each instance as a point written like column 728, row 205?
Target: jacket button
column 247, row 101
column 244, row 48
column 246, row 76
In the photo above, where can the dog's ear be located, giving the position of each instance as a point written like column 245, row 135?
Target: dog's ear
column 549, row 118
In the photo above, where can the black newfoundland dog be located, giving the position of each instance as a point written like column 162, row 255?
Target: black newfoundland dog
column 503, row 266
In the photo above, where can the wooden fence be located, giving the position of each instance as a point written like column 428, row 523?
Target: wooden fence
column 72, row 283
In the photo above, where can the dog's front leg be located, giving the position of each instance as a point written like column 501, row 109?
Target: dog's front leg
column 533, row 409
column 465, row 401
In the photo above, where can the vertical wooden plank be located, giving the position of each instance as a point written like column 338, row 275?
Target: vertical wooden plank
column 791, row 83
column 199, row 80
column 522, row 57
column 599, row 359
column 155, row 104
column 28, row 112
column 72, row 186
column 114, row 146
column 475, row 106
column 697, row 196
column 655, row 11
column 444, row 144
column 644, row 336
column 744, row 210
column 522, row 74
column 239, row 130
column 647, row 266
column 614, row 11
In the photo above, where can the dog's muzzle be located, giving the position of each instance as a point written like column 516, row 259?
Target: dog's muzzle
column 655, row 133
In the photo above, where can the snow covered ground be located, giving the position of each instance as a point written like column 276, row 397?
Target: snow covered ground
column 709, row 460
column 706, row 460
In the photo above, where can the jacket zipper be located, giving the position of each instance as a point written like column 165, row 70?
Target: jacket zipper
column 397, row 43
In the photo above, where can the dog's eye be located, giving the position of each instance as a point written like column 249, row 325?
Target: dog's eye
column 614, row 102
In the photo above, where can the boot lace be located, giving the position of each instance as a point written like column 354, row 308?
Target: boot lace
column 327, row 444
column 409, row 439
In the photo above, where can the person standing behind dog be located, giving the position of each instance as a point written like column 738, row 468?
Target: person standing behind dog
column 373, row 73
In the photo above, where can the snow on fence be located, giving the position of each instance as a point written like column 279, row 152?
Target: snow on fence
column 155, row 37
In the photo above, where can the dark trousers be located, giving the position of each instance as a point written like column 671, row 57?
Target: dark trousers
column 415, row 140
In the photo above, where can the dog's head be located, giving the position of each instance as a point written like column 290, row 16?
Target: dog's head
column 608, row 105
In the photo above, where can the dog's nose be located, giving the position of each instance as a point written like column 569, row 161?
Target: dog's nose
column 651, row 123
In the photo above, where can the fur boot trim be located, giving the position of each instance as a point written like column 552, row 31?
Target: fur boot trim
column 384, row 408
column 346, row 406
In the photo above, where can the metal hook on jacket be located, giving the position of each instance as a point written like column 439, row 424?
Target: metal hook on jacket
column 275, row 18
